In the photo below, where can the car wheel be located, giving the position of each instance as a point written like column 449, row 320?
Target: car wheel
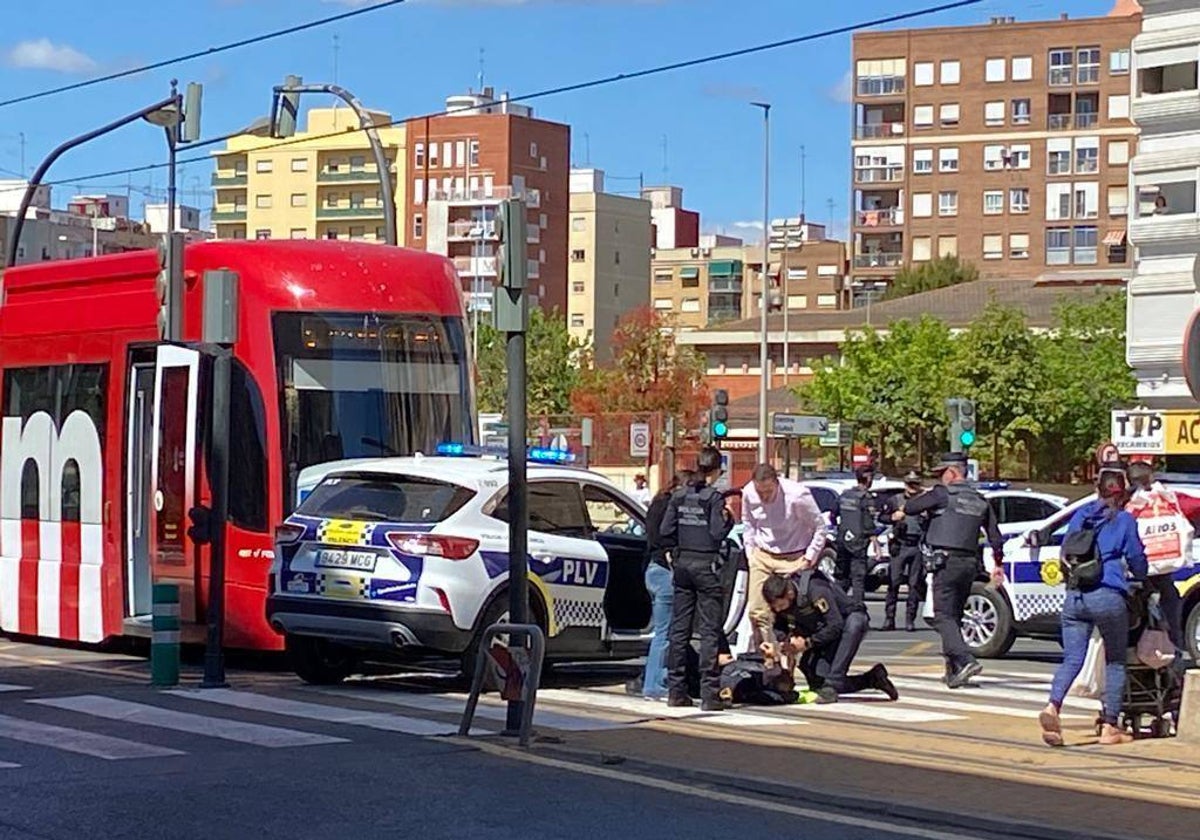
column 318, row 661
column 496, row 612
column 1191, row 632
column 987, row 624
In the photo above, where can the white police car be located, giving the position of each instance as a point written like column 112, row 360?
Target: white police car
column 396, row 558
column 1030, row 602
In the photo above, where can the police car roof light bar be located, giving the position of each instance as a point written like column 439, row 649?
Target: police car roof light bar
column 536, row 454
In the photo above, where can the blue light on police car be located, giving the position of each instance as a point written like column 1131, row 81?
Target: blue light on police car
column 451, row 449
column 545, row 455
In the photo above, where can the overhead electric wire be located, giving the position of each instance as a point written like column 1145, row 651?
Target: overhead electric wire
column 167, row 62
column 554, row 91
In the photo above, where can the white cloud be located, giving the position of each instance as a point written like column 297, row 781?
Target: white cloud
column 757, row 225
column 44, row 54
column 843, row 91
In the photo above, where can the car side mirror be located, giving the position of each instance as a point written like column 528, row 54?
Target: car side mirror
column 1033, row 539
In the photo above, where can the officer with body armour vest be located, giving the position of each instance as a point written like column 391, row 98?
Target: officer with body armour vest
column 904, row 556
column 854, row 517
column 951, row 552
column 698, row 522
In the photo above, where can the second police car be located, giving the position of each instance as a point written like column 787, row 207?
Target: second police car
column 403, row 557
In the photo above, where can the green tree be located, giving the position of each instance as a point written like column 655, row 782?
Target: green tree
column 935, row 274
column 552, row 361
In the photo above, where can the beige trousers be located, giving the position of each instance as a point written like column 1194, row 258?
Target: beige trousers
column 762, row 565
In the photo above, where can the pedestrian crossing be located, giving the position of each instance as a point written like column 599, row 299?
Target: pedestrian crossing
column 168, row 725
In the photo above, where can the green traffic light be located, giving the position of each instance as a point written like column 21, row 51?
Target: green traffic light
column 720, row 429
column 967, row 438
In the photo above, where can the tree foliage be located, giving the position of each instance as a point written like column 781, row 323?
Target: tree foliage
column 934, row 274
column 648, row 372
column 552, row 361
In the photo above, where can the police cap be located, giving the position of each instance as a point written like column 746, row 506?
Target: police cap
column 911, row 478
column 955, row 460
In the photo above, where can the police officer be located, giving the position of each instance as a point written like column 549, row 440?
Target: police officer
column 904, row 556
column 854, row 517
column 822, row 624
column 951, row 552
column 698, row 521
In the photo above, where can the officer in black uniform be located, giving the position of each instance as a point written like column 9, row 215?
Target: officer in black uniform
column 854, row 517
column 698, row 521
column 821, row 623
column 951, row 552
column 904, row 555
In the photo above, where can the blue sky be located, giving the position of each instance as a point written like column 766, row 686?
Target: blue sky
column 405, row 59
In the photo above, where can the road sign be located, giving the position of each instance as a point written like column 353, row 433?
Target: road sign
column 723, row 482
column 839, row 434
column 799, row 425
column 639, row 440
column 1108, row 453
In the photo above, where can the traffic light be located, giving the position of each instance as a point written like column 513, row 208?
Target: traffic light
column 200, row 531
column 966, row 423
column 162, row 288
column 719, row 415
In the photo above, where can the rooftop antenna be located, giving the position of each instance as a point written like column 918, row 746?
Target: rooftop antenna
column 481, row 69
column 803, row 189
column 587, row 149
column 666, row 168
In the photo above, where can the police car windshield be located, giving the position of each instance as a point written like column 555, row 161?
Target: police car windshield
column 384, row 498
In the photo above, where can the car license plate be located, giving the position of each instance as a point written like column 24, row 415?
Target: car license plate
column 336, row 558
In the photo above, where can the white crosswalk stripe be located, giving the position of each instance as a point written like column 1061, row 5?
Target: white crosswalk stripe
column 216, row 727
column 78, row 741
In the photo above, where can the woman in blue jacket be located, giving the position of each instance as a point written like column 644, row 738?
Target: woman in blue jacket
column 1102, row 607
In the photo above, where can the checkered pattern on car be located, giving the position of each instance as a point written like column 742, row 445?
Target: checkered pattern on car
column 570, row 613
column 359, row 586
column 1028, row 604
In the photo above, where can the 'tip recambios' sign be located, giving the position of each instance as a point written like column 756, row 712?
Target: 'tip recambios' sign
column 1156, row 432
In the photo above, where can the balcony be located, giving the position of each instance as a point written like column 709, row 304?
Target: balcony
column 348, row 176
column 880, row 85
column 879, row 259
column 884, row 217
column 227, row 179
column 468, row 196
column 1086, row 121
column 877, row 130
column 475, row 266
column 879, row 174
column 1060, row 122
column 235, row 215
column 363, row 211
column 1165, row 109
column 728, row 285
column 472, row 230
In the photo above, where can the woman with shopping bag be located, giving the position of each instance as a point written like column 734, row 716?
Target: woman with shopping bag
column 1100, row 552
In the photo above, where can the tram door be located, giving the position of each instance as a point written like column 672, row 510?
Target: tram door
column 139, row 493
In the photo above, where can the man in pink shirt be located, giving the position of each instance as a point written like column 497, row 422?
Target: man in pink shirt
column 784, row 534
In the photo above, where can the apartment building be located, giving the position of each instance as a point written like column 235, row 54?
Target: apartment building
column 1006, row 144
column 462, row 164
column 673, row 226
column 1165, row 227
column 806, row 270
column 608, row 268
column 322, row 184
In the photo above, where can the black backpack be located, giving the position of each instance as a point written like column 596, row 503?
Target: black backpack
column 1080, row 561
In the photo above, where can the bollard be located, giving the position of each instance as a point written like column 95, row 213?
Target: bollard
column 164, row 635
column 1189, row 708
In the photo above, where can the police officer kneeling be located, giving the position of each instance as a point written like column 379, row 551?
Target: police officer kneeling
column 825, row 627
column 951, row 552
column 698, row 522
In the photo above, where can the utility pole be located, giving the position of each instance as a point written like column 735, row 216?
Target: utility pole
column 764, row 355
column 511, row 312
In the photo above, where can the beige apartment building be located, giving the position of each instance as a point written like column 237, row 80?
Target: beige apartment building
column 608, row 268
column 1005, row 144
column 323, row 184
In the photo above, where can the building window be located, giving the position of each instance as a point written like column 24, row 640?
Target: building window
column 922, row 205
column 994, row 157
column 1019, row 155
column 1089, row 65
column 949, row 114
column 993, row 246
column 433, row 154
column 616, row 257
column 299, row 164
column 262, row 233
column 948, row 203
column 332, row 199
column 1018, row 246
column 923, row 116
column 299, row 233
column 1058, row 246
column 948, row 159
column 299, row 199
column 922, row 161
column 1062, row 67
column 263, row 166
column 533, row 150
column 993, row 69
column 1087, row 155
column 663, row 303
column 663, row 276
column 419, row 155
column 1086, row 240
column 826, row 300
column 993, row 202
column 923, row 74
column 1118, row 152
column 1022, row 68
column 333, row 165
column 262, row 202
column 576, row 320
column 460, row 153
column 921, row 248
column 690, row 305
column 380, row 235
column 1058, row 156
column 579, row 223
column 358, row 200
column 474, row 153
column 419, row 191
column 1118, row 107
column 947, row 246
column 1018, row 200
column 578, row 255
column 1169, row 78
column 578, row 287
column 1021, row 112
column 797, row 301
column 1118, row 62
column 1087, row 201
column 357, row 163
column 1118, row 201
column 358, row 232
column 331, row 233
column 1058, row 202
column 993, row 113
column 951, row 72
column 447, row 154
column 418, row 226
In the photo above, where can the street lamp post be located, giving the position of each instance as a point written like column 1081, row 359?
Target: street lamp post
column 763, row 350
